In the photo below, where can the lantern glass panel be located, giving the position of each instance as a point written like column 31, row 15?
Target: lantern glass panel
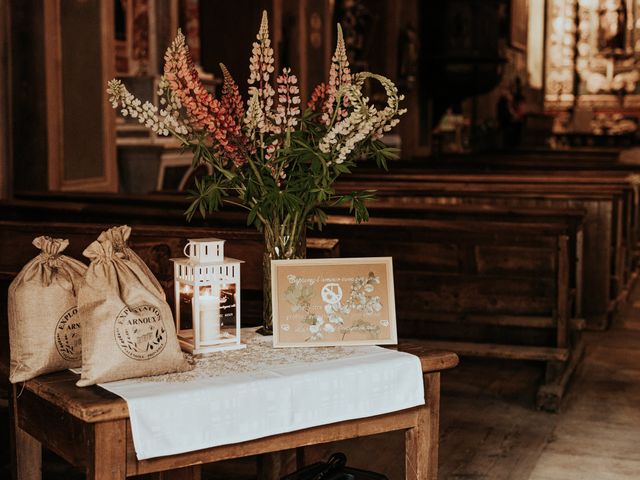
column 228, row 307
column 186, row 307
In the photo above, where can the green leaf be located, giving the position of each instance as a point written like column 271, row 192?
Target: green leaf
column 252, row 215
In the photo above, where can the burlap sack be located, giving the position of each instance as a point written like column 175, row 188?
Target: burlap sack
column 128, row 326
column 44, row 326
column 119, row 236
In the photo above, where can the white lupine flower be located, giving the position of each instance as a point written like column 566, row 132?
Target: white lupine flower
column 146, row 113
column 364, row 121
column 260, row 67
column 339, row 77
column 254, row 118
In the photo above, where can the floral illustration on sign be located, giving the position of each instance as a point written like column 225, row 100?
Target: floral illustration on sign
column 353, row 315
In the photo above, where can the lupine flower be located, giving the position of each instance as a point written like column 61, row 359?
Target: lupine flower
column 260, row 69
column 318, row 97
column 254, row 118
column 230, row 136
column 231, row 99
column 161, row 121
column 285, row 118
column 364, row 121
column 339, row 77
column 203, row 109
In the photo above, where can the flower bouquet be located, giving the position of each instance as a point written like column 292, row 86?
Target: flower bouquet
column 270, row 158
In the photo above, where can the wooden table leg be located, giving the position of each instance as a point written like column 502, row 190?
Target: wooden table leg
column 107, row 451
column 421, row 455
column 27, row 451
column 189, row 473
column 275, row 465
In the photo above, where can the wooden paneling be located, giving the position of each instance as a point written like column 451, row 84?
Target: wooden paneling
column 28, row 115
column 80, row 122
column 82, row 141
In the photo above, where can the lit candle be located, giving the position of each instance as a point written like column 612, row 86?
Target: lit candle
column 210, row 316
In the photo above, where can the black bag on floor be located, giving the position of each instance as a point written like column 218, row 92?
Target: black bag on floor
column 333, row 469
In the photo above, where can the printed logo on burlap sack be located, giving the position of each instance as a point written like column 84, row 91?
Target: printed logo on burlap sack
column 68, row 337
column 140, row 332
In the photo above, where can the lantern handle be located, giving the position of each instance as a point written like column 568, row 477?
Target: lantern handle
column 188, row 247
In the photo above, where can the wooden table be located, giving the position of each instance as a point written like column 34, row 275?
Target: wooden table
column 89, row 427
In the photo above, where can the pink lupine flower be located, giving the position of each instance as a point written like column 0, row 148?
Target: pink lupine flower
column 318, row 97
column 285, row 118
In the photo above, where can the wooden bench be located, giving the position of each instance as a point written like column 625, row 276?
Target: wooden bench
column 496, row 289
column 503, row 322
column 570, row 159
column 598, row 167
column 606, row 275
column 89, row 427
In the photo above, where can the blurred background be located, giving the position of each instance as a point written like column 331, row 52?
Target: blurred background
column 478, row 75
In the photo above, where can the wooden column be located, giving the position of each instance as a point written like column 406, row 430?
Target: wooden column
column 80, row 123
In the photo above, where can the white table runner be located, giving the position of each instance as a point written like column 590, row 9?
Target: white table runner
column 242, row 395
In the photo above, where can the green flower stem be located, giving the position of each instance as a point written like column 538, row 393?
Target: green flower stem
column 284, row 239
column 255, row 171
column 237, row 204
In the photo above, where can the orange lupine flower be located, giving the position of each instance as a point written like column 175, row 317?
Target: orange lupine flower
column 204, row 110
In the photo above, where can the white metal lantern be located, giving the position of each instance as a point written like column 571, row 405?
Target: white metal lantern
column 207, row 297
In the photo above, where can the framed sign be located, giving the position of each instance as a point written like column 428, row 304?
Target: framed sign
column 333, row 301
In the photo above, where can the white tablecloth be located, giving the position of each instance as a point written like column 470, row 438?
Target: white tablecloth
column 242, row 395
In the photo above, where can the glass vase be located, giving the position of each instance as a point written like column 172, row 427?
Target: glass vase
column 283, row 240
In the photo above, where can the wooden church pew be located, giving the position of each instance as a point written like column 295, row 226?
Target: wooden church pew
column 104, row 208
column 532, row 158
column 607, row 231
column 530, row 314
column 483, row 288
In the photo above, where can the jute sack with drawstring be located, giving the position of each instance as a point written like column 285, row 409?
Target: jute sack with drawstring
column 128, row 330
column 44, row 325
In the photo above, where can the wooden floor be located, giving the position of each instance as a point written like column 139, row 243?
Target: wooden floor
column 490, row 431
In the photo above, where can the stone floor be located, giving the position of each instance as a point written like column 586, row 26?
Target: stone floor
column 489, row 428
